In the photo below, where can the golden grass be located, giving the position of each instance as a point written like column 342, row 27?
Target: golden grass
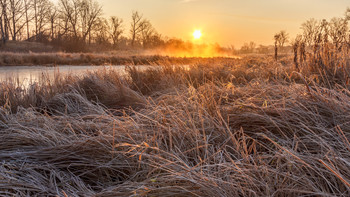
column 118, row 58
column 247, row 128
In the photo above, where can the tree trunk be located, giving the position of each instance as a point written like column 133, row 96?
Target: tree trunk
column 14, row 27
column 27, row 19
column 276, row 51
column 2, row 30
column 36, row 20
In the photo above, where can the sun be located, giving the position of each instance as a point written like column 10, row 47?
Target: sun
column 197, row 34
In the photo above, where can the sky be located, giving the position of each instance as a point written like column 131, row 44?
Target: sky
column 226, row 22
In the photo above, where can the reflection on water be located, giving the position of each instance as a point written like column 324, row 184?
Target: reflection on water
column 25, row 75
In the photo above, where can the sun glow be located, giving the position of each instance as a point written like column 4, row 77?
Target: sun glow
column 197, row 34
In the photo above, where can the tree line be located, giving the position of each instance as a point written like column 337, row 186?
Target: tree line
column 319, row 38
column 72, row 23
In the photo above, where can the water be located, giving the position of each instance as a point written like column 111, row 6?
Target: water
column 26, row 75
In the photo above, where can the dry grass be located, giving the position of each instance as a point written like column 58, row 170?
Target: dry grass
column 26, row 47
column 252, row 128
column 118, row 58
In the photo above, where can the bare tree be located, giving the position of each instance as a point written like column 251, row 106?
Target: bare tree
column 115, row 29
column 136, row 25
column 53, row 16
column 262, row 49
column 280, row 39
column 89, row 12
column 252, row 46
column 310, row 30
column 28, row 15
column 347, row 14
column 16, row 20
column 283, row 38
column 100, row 30
column 41, row 16
column 3, row 21
column 69, row 10
column 276, row 38
column 80, row 16
column 347, row 18
column 73, row 21
column 147, row 33
column 63, row 20
column 338, row 28
column 296, row 44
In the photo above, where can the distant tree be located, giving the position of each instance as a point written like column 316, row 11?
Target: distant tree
column 136, row 25
column 69, row 10
column 90, row 11
column 63, row 23
column 79, row 17
column 252, row 46
column 338, row 28
column 280, row 39
column 147, row 33
column 16, row 11
column 248, row 47
column 262, row 49
column 276, row 38
column 156, row 40
column 296, row 45
column 347, row 14
column 245, row 48
column 42, row 10
column 232, row 49
column 115, row 29
column 310, row 30
column 325, row 31
column 283, row 38
column 347, row 18
column 28, row 15
column 53, row 16
column 101, row 31
column 4, row 21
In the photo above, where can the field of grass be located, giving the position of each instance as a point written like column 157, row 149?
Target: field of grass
column 249, row 127
column 110, row 58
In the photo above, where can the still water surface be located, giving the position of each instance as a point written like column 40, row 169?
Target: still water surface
column 26, row 75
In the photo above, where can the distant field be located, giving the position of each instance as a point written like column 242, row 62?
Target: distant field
column 118, row 58
column 38, row 54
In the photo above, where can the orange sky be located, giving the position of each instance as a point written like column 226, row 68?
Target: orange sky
column 226, row 21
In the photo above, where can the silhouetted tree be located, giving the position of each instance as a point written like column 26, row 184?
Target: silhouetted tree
column 136, row 25
column 296, row 44
column 71, row 23
column 338, row 28
column 310, row 29
column 53, row 15
column 101, row 31
column 79, row 17
column 90, row 12
column 248, row 47
column 42, row 9
column 16, row 11
column 147, row 33
column 280, row 39
column 4, row 21
column 69, row 10
column 28, row 15
column 115, row 29
column 262, row 49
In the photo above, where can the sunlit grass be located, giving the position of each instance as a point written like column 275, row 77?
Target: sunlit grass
column 249, row 127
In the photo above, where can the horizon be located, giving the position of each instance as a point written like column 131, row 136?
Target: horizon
column 228, row 22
